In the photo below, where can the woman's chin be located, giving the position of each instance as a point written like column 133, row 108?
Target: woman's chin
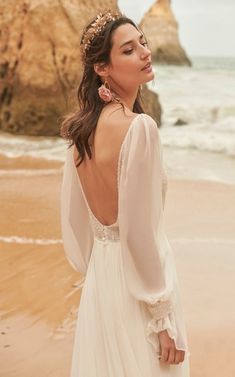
column 149, row 77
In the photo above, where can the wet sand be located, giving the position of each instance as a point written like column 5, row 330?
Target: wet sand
column 39, row 298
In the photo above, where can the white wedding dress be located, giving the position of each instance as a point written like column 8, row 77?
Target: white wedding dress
column 130, row 289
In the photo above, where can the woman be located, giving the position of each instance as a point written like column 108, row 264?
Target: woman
column 130, row 321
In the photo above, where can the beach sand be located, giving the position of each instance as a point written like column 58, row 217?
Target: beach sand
column 38, row 293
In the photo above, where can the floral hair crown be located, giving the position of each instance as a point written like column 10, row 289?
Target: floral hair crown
column 101, row 20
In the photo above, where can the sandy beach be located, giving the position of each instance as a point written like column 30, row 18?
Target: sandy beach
column 39, row 297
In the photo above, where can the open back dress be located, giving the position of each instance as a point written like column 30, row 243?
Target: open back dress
column 130, row 289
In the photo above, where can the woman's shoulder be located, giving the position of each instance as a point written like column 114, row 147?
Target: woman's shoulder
column 114, row 122
column 115, row 116
column 118, row 126
column 144, row 124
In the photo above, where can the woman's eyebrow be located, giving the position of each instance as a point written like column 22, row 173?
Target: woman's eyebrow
column 126, row 43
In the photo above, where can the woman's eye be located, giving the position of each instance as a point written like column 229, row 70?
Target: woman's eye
column 127, row 52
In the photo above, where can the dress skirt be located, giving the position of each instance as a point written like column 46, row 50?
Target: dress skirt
column 111, row 330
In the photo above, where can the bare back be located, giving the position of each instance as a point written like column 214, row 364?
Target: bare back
column 98, row 176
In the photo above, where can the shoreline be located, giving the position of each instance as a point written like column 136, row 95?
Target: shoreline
column 189, row 163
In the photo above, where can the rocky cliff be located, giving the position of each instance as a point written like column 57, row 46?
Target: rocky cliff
column 161, row 29
column 39, row 60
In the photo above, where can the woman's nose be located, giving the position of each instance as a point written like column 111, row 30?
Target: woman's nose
column 145, row 52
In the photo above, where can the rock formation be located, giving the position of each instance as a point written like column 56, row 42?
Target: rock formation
column 151, row 104
column 161, row 29
column 39, row 61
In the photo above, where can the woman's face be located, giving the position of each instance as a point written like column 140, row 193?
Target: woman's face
column 130, row 59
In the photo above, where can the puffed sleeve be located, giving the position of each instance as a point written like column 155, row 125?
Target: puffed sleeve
column 76, row 230
column 148, row 264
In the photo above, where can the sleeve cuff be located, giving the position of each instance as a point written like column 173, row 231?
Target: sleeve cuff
column 160, row 309
column 155, row 325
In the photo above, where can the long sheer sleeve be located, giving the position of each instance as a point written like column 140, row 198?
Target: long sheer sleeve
column 146, row 256
column 77, row 233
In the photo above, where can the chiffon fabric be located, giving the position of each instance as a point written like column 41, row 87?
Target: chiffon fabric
column 130, row 286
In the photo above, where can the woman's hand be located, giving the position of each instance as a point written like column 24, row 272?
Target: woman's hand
column 168, row 352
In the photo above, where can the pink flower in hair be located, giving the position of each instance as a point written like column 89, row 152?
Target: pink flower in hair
column 105, row 93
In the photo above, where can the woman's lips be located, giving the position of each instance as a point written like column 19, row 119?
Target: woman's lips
column 147, row 67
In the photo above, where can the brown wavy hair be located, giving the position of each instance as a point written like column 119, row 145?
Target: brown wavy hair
column 79, row 126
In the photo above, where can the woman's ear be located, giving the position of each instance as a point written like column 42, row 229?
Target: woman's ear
column 101, row 69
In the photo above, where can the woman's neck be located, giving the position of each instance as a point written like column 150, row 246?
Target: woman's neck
column 127, row 98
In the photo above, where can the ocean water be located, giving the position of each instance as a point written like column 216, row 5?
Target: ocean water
column 202, row 96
